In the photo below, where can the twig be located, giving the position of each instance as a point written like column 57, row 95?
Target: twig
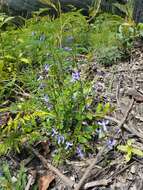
column 126, row 114
column 29, row 182
column 101, row 182
column 47, row 165
column 117, row 95
column 125, row 126
column 88, row 170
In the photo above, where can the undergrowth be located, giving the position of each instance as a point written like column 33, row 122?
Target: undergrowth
column 42, row 94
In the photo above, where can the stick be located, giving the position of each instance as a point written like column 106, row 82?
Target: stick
column 101, row 182
column 85, row 175
column 47, row 165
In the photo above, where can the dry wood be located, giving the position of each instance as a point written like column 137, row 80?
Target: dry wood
column 101, row 182
column 48, row 166
column 88, row 170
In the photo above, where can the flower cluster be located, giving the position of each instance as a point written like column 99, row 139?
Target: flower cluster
column 102, row 128
column 75, row 76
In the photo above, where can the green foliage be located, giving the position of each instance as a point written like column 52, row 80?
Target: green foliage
column 109, row 56
column 9, row 182
column 130, row 150
column 42, row 94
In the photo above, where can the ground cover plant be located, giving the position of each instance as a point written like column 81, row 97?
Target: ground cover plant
column 46, row 96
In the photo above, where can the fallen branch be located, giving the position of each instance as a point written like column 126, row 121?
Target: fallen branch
column 48, row 166
column 125, row 126
column 102, row 182
column 88, row 170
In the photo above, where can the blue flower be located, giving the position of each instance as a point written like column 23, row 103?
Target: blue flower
column 104, row 124
column 75, row 76
column 111, row 143
column 60, row 139
column 46, row 67
column 67, row 49
column 79, row 152
column 54, row 132
column 40, row 78
column 68, row 145
column 41, row 86
column 46, row 99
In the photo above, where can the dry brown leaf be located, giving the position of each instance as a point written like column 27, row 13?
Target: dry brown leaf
column 45, row 181
column 137, row 95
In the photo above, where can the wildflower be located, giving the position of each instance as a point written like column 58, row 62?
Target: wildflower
column 100, row 132
column 79, row 152
column 104, row 124
column 60, row 139
column 68, row 145
column 46, row 99
column 54, row 132
column 111, row 143
column 75, row 76
column 40, row 78
column 41, row 86
column 46, row 68
column 67, row 49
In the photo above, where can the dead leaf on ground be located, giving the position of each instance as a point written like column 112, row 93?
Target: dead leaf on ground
column 45, row 181
column 137, row 95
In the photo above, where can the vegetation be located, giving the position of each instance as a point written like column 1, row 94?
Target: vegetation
column 43, row 94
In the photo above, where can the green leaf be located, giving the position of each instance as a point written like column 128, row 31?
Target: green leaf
column 89, row 116
column 128, row 157
column 99, row 108
column 122, row 148
column 25, row 60
column 82, row 139
column 137, row 152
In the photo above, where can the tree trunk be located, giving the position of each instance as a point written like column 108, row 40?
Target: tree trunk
column 138, row 11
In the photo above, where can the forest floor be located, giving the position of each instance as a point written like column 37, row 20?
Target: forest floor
column 122, row 86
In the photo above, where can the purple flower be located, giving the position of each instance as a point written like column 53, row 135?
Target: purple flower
column 79, row 152
column 111, row 143
column 54, row 132
column 60, row 139
column 104, row 124
column 46, row 99
column 46, row 67
column 100, row 132
column 68, row 145
column 40, row 78
column 41, row 86
column 75, row 76
column 67, row 49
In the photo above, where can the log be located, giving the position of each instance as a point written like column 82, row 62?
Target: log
column 26, row 7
